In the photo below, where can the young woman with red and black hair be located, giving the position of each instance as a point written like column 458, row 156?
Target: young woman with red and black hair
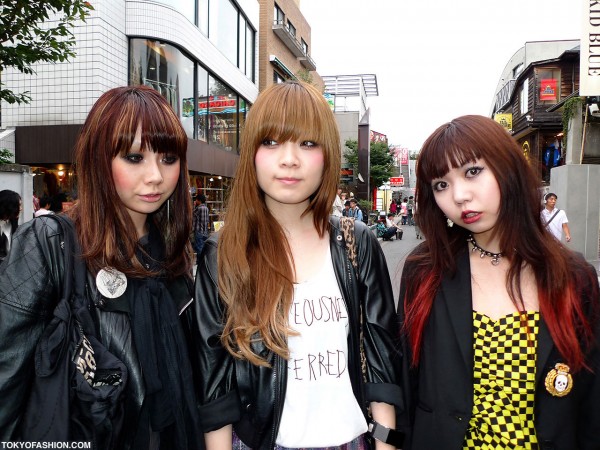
column 500, row 333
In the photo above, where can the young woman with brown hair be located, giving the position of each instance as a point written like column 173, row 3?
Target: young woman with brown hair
column 500, row 334
column 132, row 220
column 279, row 303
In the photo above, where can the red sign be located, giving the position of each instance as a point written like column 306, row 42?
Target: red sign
column 548, row 89
column 396, row 181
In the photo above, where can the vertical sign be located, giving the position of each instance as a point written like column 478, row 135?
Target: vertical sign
column 589, row 72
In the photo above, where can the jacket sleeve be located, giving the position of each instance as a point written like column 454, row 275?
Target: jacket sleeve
column 214, row 367
column 379, row 323
column 30, row 283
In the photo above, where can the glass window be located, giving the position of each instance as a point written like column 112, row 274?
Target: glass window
column 250, row 37
column 223, row 28
column 166, row 69
column 202, row 131
column 304, row 47
column 203, row 16
column 242, row 47
column 291, row 28
column 277, row 78
column 278, row 16
column 548, row 81
column 243, row 111
column 222, row 114
column 524, row 97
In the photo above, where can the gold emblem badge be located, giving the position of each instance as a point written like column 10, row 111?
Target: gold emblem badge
column 559, row 381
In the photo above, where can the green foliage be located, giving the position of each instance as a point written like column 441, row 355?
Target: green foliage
column 305, row 75
column 32, row 32
column 5, row 156
column 381, row 160
column 569, row 109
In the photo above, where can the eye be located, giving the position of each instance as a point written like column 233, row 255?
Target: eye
column 308, row 144
column 269, row 142
column 438, row 186
column 170, row 159
column 134, row 158
column 473, row 171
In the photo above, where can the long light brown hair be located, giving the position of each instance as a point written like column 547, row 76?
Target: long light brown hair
column 255, row 265
column 560, row 276
column 104, row 227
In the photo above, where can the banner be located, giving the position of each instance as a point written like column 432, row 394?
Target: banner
column 589, row 54
column 505, row 120
column 374, row 136
column 548, row 90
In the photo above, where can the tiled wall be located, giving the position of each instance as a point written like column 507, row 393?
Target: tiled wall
column 63, row 93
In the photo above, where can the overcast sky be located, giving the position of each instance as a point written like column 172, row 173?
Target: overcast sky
column 434, row 60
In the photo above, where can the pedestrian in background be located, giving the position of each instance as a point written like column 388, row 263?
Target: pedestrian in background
column 280, row 340
column 10, row 209
column 200, row 223
column 501, row 333
column 132, row 221
column 554, row 219
column 338, row 205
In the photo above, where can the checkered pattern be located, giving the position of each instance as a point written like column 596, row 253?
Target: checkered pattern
column 504, row 382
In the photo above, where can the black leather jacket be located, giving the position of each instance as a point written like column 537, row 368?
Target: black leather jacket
column 30, row 282
column 251, row 397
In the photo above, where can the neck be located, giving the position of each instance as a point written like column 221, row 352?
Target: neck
column 549, row 208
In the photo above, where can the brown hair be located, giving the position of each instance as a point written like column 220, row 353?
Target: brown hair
column 103, row 225
column 525, row 241
column 255, row 271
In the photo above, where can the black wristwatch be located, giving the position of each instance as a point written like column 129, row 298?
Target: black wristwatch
column 386, row 435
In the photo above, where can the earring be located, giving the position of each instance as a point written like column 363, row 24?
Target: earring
column 449, row 223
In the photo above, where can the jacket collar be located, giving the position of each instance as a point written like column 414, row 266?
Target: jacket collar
column 457, row 298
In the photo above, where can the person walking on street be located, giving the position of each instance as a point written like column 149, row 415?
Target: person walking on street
column 554, row 219
column 338, row 205
column 355, row 211
column 10, row 210
column 200, row 223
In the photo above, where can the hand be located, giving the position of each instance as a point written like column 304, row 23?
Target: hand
column 568, row 238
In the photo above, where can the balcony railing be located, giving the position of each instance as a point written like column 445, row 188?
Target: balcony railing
column 283, row 33
column 504, row 94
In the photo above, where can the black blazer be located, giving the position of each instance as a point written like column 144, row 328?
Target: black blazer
column 438, row 395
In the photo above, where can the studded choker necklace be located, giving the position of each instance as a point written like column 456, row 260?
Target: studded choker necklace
column 483, row 253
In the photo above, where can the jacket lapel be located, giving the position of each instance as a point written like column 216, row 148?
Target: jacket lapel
column 544, row 347
column 456, row 293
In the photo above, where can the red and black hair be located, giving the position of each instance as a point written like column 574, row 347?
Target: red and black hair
column 559, row 274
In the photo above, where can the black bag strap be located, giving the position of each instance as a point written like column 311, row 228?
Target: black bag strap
column 553, row 216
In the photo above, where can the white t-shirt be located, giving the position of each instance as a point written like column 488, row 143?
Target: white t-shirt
column 320, row 409
column 555, row 226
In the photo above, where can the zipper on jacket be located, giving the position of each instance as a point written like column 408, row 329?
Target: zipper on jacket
column 275, row 403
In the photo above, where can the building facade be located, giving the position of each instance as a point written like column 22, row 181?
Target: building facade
column 201, row 55
column 535, row 82
column 284, row 44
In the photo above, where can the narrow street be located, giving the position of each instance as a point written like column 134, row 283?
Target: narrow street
column 396, row 252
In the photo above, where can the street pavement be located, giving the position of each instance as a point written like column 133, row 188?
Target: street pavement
column 395, row 252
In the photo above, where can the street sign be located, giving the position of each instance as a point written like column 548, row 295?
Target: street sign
column 397, row 181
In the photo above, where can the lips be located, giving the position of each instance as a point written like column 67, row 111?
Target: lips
column 151, row 198
column 469, row 217
column 288, row 180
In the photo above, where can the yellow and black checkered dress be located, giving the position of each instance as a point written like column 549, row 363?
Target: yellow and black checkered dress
column 504, row 383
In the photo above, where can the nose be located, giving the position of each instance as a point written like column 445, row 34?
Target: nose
column 289, row 154
column 153, row 172
column 461, row 192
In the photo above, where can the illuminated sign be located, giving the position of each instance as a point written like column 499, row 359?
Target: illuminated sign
column 505, row 120
column 396, row 181
column 548, row 90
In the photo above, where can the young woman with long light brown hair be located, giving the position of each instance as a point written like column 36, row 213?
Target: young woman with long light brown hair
column 279, row 303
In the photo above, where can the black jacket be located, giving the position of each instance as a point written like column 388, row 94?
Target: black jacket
column 439, row 393
column 251, row 397
column 30, row 281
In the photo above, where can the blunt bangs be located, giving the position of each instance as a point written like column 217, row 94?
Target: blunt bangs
column 162, row 131
column 287, row 113
column 446, row 149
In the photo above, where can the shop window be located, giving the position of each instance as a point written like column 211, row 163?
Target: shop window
column 222, row 114
column 167, row 70
column 202, row 131
column 548, row 85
